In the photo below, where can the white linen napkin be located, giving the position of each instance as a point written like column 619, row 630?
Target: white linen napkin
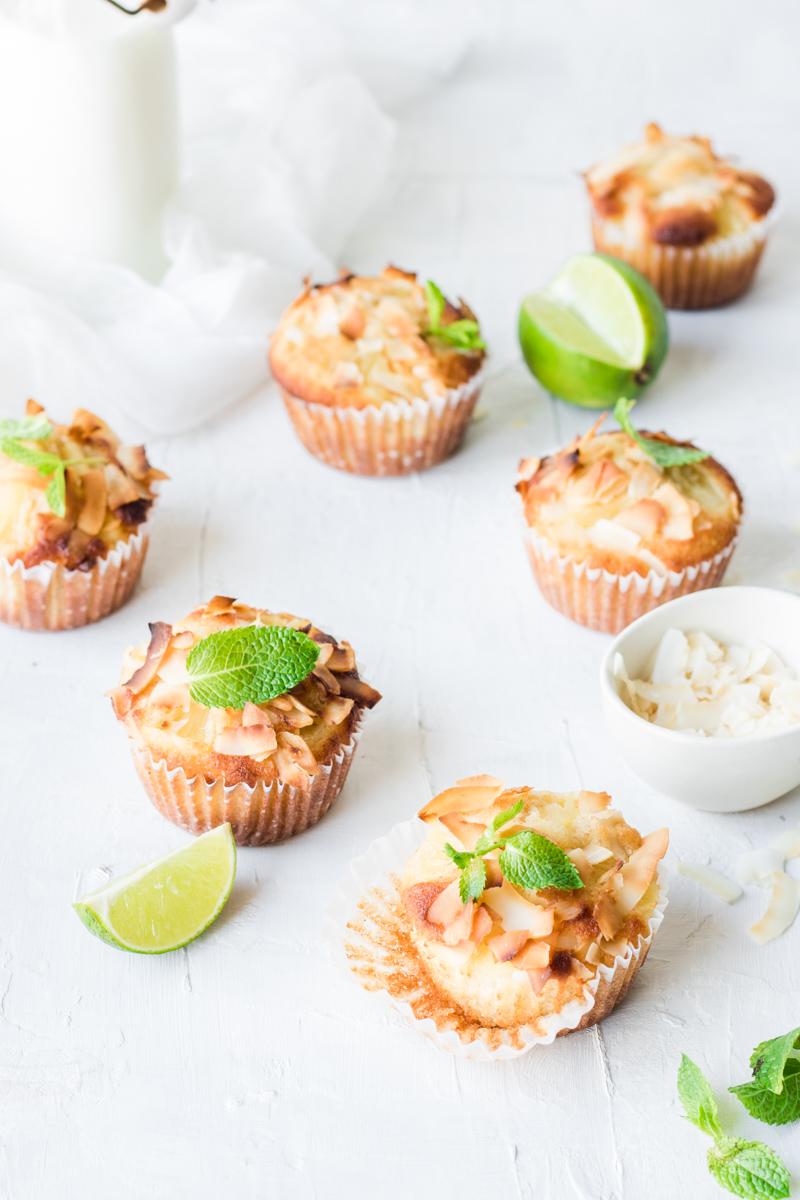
column 285, row 146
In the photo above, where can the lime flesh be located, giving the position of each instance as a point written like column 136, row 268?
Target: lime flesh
column 598, row 332
column 168, row 903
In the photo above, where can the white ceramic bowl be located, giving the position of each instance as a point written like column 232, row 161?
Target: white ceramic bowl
column 716, row 774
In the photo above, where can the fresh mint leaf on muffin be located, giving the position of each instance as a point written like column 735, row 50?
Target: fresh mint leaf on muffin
column 773, row 1094
column 13, row 438
column 472, row 880
column 663, row 454
column 462, row 334
column 251, row 664
column 747, row 1169
column 29, row 429
column 527, row 859
column 507, row 815
column 531, row 861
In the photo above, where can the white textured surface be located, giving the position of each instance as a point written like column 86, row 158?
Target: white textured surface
column 248, row 1066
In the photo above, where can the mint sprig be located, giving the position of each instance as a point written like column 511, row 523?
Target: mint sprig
column 698, row 1100
column 463, row 334
column 527, row 859
column 251, row 664
column 14, row 439
column 747, row 1169
column 663, row 454
column 773, row 1094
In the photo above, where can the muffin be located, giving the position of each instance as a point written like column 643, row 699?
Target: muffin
column 242, row 715
column 612, row 533
column 379, row 375
column 693, row 223
column 74, row 506
column 556, row 916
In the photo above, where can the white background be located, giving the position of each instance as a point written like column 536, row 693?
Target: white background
column 249, row 1065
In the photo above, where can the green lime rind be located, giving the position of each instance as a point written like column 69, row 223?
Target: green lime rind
column 254, row 663
column 167, row 904
column 570, row 358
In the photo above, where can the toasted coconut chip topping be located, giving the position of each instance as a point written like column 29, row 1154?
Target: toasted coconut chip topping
column 361, row 341
column 676, row 191
column 283, row 731
column 697, row 684
column 603, row 495
column 550, row 934
column 105, row 500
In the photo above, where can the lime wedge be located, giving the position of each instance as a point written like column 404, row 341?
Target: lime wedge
column 168, row 903
column 598, row 332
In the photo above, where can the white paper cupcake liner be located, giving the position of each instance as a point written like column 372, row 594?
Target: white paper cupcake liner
column 51, row 597
column 601, row 600
column 259, row 814
column 395, row 438
column 692, row 276
column 369, row 891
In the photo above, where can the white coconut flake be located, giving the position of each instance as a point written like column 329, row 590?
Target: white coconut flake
column 713, row 881
column 781, row 911
column 788, row 844
column 699, row 685
column 755, row 866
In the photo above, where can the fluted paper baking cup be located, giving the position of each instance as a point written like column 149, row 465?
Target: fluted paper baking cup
column 50, row 597
column 602, row 600
column 369, row 934
column 692, row 276
column 395, row 438
column 259, row 814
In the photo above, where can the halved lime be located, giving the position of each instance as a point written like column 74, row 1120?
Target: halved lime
column 168, row 903
column 598, row 332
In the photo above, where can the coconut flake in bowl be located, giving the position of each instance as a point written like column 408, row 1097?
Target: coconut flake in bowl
column 698, row 684
column 727, row 737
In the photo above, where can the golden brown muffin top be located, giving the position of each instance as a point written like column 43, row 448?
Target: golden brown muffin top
column 287, row 737
column 365, row 341
column 602, row 500
column 557, row 936
column 69, row 493
column 676, row 191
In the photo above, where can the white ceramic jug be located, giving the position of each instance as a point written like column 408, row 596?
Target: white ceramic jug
column 88, row 129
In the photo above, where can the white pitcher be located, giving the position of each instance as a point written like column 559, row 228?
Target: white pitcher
column 88, row 129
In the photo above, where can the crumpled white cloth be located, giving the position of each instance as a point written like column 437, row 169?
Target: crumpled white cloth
column 285, row 148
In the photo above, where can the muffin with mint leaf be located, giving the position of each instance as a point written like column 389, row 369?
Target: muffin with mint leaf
column 74, row 509
column 379, row 374
column 522, row 915
column 620, row 522
column 242, row 715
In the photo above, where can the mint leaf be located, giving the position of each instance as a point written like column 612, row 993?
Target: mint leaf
column 28, row 429
column 663, row 454
column 251, row 664
column 44, row 462
column 769, row 1059
column 749, row 1169
column 435, row 299
column 529, row 860
column 56, row 493
column 697, row 1098
column 773, row 1094
column 460, row 857
column 507, row 815
column 472, row 880
column 770, row 1107
column 463, row 334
